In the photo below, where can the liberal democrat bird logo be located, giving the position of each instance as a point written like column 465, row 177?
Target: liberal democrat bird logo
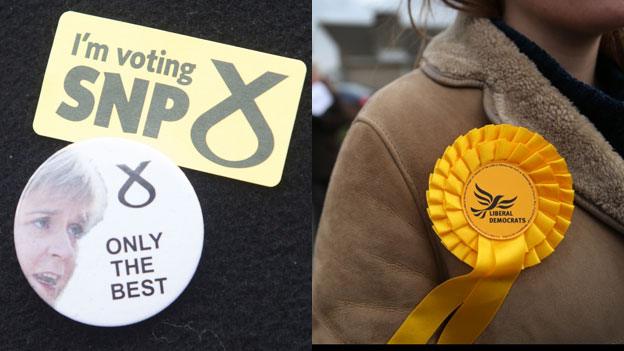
column 490, row 203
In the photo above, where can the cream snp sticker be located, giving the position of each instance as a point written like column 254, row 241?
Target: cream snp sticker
column 108, row 231
column 211, row 107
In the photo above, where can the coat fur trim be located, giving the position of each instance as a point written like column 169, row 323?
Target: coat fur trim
column 473, row 52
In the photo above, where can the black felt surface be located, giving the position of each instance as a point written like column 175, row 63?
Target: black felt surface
column 252, row 288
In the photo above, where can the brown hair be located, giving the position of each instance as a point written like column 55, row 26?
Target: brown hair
column 611, row 44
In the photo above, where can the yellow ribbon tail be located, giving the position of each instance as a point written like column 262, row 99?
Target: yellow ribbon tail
column 478, row 295
column 425, row 319
column 479, row 308
column 429, row 314
column 477, row 311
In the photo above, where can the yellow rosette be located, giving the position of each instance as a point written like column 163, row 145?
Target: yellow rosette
column 501, row 200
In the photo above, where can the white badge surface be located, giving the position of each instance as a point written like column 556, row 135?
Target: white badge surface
column 108, row 231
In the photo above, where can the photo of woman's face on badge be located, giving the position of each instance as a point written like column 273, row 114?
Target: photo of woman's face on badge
column 62, row 202
column 108, row 231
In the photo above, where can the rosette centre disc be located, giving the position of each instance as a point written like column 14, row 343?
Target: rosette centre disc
column 499, row 201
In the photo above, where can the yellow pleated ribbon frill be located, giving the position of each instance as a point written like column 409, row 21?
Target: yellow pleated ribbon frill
column 474, row 298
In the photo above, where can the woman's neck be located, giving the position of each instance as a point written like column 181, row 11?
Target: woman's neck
column 575, row 52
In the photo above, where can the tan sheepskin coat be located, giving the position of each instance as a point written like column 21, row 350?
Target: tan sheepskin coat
column 376, row 255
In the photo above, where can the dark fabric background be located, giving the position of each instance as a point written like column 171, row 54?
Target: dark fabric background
column 252, row 287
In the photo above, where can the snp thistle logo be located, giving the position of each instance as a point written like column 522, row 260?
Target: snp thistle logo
column 491, row 203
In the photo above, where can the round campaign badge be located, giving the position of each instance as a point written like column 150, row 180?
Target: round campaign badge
column 501, row 200
column 108, row 231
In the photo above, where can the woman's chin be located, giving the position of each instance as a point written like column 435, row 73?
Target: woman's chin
column 47, row 292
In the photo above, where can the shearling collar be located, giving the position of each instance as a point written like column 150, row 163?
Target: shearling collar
column 474, row 53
